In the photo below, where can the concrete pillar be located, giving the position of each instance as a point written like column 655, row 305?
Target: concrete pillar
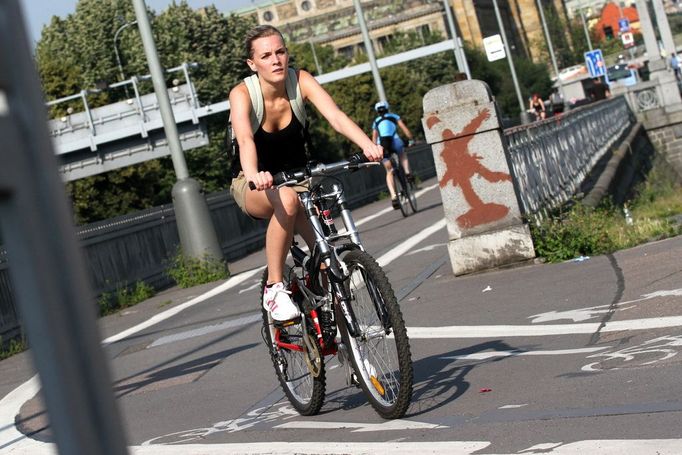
column 483, row 217
column 669, row 94
column 663, row 27
column 647, row 29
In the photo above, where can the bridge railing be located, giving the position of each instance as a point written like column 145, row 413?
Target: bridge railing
column 553, row 158
column 550, row 160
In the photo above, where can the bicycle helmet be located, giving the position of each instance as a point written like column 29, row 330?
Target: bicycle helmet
column 381, row 107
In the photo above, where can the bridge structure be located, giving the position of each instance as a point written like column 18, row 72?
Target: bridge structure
column 101, row 139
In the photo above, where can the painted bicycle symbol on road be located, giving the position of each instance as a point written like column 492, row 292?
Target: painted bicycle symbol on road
column 252, row 418
column 647, row 353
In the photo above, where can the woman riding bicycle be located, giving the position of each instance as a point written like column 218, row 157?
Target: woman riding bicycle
column 278, row 144
column 385, row 132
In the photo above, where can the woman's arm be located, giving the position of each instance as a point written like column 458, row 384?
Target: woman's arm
column 313, row 91
column 240, row 111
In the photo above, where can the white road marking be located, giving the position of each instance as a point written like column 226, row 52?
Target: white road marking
column 493, row 354
column 404, row 247
column 235, row 280
column 205, row 330
column 513, row 406
column 426, row 248
column 592, row 447
column 583, row 314
column 359, row 427
column 489, row 331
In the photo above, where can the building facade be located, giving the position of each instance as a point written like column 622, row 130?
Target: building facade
column 334, row 22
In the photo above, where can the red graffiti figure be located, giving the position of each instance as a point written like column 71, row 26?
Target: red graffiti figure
column 461, row 165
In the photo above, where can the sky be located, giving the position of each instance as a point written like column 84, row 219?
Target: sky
column 39, row 12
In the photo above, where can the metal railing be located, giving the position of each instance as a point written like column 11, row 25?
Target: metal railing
column 551, row 159
column 139, row 247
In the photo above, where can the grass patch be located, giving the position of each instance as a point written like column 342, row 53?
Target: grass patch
column 188, row 272
column 124, row 297
column 583, row 231
column 12, row 347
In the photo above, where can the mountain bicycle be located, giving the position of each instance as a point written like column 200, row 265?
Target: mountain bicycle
column 404, row 189
column 348, row 307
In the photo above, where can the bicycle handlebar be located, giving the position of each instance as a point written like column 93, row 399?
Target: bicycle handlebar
column 289, row 178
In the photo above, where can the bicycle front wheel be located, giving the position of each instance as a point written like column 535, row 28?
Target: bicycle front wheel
column 400, row 192
column 300, row 374
column 380, row 354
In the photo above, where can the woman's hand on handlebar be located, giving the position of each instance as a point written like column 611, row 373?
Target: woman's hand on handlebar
column 373, row 152
column 260, row 181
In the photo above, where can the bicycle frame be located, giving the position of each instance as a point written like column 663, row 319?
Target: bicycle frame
column 324, row 256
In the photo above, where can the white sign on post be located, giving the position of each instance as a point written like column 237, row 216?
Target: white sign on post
column 628, row 39
column 494, row 48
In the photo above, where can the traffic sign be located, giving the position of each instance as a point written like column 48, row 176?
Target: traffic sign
column 628, row 39
column 494, row 47
column 623, row 24
column 594, row 60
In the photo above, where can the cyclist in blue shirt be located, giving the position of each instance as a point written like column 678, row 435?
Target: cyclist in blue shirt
column 385, row 132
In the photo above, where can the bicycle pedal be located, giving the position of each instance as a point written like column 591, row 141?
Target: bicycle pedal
column 289, row 323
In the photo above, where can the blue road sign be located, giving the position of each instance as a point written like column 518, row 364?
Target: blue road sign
column 595, row 63
column 623, row 24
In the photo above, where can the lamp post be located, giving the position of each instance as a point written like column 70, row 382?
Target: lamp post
column 551, row 53
column 524, row 114
column 370, row 51
column 118, row 57
column 195, row 229
column 587, row 33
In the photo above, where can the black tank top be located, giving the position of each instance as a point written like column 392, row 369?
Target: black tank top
column 278, row 151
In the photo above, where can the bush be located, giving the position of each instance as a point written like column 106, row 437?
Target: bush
column 188, row 272
column 124, row 297
column 12, row 347
column 584, row 231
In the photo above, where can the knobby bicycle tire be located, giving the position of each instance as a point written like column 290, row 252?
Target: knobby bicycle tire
column 303, row 390
column 382, row 362
column 400, row 192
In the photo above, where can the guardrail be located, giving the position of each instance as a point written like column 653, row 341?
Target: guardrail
column 551, row 159
column 138, row 247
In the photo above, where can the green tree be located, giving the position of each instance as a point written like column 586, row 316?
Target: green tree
column 77, row 52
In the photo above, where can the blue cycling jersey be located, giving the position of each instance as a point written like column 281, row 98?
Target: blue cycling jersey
column 387, row 124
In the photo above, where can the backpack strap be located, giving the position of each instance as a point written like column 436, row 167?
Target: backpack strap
column 256, row 95
column 383, row 117
column 295, row 97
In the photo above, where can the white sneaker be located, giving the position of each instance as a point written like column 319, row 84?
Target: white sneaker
column 276, row 300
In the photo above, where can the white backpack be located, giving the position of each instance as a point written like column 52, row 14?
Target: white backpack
column 258, row 110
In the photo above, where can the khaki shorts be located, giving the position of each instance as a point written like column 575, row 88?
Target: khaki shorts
column 240, row 187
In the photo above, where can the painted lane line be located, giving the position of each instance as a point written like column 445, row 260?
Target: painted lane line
column 359, row 427
column 408, row 244
column 386, row 210
column 496, row 354
column 10, row 437
column 230, row 283
column 487, row 331
column 11, row 403
column 205, row 330
column 384, row 260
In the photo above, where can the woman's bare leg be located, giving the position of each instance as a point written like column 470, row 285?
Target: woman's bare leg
column 281, row 206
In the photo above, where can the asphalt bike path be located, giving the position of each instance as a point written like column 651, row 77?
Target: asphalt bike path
column 565, row 358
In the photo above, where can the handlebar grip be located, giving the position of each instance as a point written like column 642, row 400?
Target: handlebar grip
column 280, row 178
column 358, row 158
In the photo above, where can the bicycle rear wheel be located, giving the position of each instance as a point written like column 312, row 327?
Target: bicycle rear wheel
column 380, row 354
column 411, row 196
column 400, row 192
column 304, row 389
